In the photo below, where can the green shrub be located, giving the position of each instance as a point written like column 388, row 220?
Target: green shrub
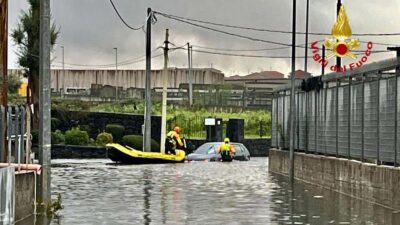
column 104, row 138
column 136, row 142
column 57, row 137
column 55, row 123
column 84, row 128
column 76, row 137
column 116, row 130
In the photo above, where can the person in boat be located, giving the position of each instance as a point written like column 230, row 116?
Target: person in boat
column 227, row 150
column 173, row 141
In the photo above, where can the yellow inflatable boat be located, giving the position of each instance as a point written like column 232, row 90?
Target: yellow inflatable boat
column 128, row 155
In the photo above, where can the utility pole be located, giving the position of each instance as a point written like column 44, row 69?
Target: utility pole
column 164, row 94
column 63, row 69
column 338, row 59
column 147, row 106
column 116, row 71
column 190, row 78
column 292, row 97
column 3, row 72
column 44, row 192
column 306, row 50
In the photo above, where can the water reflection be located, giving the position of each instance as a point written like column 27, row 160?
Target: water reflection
column 95, row 192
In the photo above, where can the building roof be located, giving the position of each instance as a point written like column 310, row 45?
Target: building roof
column 258, row 76
column 300, row 74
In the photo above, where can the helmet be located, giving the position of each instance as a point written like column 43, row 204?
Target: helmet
column 177, row 129
column 226, row 140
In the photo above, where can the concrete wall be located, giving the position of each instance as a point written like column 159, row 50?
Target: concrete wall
column 132, row 78
column 377, row 184
column 24, row 194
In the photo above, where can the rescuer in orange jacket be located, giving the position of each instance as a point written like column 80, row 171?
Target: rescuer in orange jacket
column 173, row 141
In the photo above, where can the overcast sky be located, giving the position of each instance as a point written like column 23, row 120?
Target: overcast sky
column 90, row 30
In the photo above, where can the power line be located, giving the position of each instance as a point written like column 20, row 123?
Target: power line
column 267, row 30
column 223, row 32
column 266, row 56
column 251, row 50
column 122, row 19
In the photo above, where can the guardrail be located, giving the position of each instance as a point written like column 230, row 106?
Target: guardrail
column 354, row 115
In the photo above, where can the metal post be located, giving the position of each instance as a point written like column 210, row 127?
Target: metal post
column 9, row 121
column 298, row 121
column 28, row 134
column 16, row 132
column 147, row 110
column 306, row 38
column 395, row 112
column 190, row 63
column 323, row 58
column 283, row 118
column 164, row 95
column 21, row 137
column 2, row 133
column 307, row 127
column 63, row 70
column 337, row 117
column 292, row 97
column 116, row 71
column 349, row 122
column 44, row 193
column 3, row 71
column 325, row 109
column 277, row 121
column 338, row 59
column 362, row 116
column 378, row 98
column 315, row 121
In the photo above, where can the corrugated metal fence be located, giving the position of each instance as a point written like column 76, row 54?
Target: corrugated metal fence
column 353, row 116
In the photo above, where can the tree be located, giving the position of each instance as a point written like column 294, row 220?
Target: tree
column 26, row 36
column 14, row 83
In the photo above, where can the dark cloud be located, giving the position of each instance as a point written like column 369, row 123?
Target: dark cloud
column 90, row 29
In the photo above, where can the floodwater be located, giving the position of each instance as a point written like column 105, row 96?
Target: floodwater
column 96, row 192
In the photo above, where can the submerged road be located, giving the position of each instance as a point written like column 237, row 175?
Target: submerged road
column 98, row 192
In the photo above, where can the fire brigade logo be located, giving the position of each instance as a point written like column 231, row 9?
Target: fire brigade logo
column 341, row 45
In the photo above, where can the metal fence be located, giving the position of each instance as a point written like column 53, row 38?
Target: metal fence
column 353, row 116
column 18, row 134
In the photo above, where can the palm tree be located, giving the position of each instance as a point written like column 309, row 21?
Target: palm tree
column 26, row 36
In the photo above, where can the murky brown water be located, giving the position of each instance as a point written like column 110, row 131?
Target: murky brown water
column 96, row 192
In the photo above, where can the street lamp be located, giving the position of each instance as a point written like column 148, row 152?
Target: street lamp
column 116, row 68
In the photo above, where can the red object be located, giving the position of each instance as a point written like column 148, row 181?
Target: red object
column 341, row 49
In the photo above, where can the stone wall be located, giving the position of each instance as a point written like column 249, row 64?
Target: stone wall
column 98, row 121
column 371, row 182
column 24, row 194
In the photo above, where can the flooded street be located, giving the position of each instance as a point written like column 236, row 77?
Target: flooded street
column 99, row 192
